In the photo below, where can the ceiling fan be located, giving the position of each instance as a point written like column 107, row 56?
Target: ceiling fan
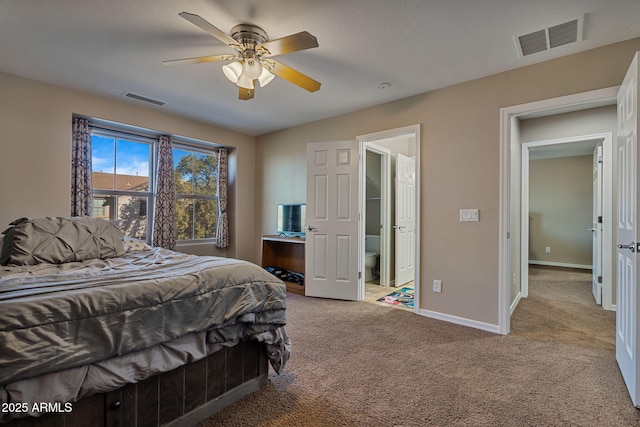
column 253, row 56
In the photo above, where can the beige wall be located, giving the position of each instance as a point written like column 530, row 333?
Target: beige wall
column 35, row 152
column 577, row 123
column 460, row 164
column 459, row 160
column 561, row 210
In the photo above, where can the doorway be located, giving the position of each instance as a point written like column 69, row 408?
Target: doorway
column 385, row 211
column 582, row 228
column 510, row 247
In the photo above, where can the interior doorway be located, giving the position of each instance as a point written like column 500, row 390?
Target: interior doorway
column 510, row 248
column 387, row 202
column 593, row 233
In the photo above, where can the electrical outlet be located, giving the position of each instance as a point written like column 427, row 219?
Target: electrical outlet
column 437, row 286
column 547, row 249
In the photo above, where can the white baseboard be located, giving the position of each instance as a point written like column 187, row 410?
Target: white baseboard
column 515, row 302
column 561, row 264
column 460, row 321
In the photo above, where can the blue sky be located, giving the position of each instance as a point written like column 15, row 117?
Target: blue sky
column 132, row 158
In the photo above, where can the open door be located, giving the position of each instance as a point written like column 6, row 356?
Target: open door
column 405, row 227
column 627, row 226
column 596, row 229
column 332, row 246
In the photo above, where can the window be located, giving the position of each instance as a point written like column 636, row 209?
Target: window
column 196, row 185
column 122, row 180
column 123, row 173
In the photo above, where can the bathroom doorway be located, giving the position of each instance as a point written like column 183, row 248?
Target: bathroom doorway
column 385, row 238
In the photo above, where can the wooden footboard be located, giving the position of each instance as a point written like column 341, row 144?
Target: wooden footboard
column 181, row 397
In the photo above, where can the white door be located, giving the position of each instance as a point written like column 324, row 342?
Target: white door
column 405, row 227
column 332, row 246
column 596, row 229
column 627, row 225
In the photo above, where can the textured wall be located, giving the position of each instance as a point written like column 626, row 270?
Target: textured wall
column 460, row 164
column 561, row 210
column 35, row 147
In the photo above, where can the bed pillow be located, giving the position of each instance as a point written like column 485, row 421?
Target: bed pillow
column 57, row 240
column 6, row 240
column 4, row 252
column 135, row 245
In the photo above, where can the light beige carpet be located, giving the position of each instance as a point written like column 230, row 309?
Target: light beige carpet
column 359, row 364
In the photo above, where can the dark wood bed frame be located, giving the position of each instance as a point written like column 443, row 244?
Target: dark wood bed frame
column 177, row 398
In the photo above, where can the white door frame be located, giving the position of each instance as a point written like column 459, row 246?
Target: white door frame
column 607, row 274
column 372, row 137
column 597, row 219
column 589, row 99
column 385, row 208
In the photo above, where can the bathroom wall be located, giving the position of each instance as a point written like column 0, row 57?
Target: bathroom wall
column 373, row 193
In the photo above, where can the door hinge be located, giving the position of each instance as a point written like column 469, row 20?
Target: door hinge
column 599, row 279
column 600, row 219
column 359, row 274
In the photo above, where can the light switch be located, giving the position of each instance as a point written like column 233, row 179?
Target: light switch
column 467, row 215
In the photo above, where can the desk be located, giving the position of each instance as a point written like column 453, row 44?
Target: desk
column 287, row 253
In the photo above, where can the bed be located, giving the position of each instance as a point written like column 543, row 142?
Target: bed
column 97, row 329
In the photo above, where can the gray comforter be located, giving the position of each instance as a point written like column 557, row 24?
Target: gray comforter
column 55, row 317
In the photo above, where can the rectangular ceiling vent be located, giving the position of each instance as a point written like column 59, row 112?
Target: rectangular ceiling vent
column 550, row 38
column 143, row 99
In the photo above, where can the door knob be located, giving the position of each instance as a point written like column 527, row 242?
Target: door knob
column 592, row 229
column 310, row 228
column 399, row 227
column 631, row 247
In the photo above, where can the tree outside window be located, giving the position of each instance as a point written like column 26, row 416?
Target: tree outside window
column 196, row 185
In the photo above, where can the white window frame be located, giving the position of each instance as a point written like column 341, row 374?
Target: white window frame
column 152, row 141
column 211, row 151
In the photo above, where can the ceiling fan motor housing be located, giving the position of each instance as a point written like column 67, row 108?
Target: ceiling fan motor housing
column 249, row 35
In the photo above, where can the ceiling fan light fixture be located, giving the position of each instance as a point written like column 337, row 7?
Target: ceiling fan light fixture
column 265, row 77
column 245, row 82
column 251, row 68
column 233, row 71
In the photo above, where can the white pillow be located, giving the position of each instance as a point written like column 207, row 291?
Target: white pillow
column 135, row 245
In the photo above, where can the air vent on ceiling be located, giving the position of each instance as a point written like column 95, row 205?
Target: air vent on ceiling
column 142, row 98
column 550, row 38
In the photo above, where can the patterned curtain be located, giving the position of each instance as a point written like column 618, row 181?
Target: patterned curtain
column 222, row 229
column 164, row 222
column 81, row 189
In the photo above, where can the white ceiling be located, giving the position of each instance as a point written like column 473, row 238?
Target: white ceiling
column 109, row 47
